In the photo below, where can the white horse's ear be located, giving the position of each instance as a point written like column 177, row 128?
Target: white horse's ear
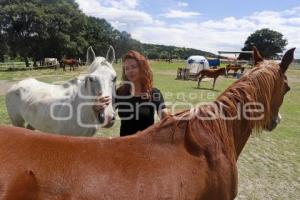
column 111, row 55
column 90, row 56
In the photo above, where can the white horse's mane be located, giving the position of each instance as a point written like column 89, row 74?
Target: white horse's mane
column 99, row 61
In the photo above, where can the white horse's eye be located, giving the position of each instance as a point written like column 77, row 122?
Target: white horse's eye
column 114, row 79
column 91, row 79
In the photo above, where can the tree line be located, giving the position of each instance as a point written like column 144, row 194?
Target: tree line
column 35, row 29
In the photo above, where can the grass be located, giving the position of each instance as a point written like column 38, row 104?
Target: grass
column 269, row 166
column 4, row 119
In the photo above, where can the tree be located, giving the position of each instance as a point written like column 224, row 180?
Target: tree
column 66, row 27
column 99, row 34
column 152, row 55
column 3, row 47
column 122, row 43
column 35, row 29
column 22, row 24
column 268, row 42
column 43, row 28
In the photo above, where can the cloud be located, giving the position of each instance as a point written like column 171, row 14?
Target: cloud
column 180, row 14
column 228, row 33
column 122, row 4
column 293, row 11
column 120, row 13
column 182, row 4
column 229, row 23
column 125, row 16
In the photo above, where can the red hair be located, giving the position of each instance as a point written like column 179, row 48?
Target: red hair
column 145, row 73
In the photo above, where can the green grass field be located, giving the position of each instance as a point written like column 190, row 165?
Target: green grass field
column 269, row 167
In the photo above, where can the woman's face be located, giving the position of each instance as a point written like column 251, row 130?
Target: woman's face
column 132, row 71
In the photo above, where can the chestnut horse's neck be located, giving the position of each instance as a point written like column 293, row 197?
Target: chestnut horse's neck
column 225, row 124
column 245, row 105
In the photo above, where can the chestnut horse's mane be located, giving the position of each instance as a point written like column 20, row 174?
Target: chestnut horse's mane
column 255, row 86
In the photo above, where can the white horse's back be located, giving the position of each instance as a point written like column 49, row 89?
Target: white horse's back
column 30, row 101
column 41, row 90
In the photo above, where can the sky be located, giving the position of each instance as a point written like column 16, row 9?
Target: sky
column 208, row 25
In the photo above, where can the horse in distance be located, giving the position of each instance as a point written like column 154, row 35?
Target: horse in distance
column 235, row 68
column 210, row 73
column 71, row 62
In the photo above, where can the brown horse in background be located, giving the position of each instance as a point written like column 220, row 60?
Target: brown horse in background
column 191, row 155
column 210, row 73
column 71, row 62
column 235, row 68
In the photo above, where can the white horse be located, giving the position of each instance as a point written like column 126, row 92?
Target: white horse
column 67, row 108
column 51, row 61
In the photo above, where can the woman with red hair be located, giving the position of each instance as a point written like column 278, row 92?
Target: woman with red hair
column 136, row 99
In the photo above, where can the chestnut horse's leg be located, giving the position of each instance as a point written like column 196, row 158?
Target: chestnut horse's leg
column 235, row 72
column 199, row 80
column 215, row 78
column 64, row 66
column 242, row 70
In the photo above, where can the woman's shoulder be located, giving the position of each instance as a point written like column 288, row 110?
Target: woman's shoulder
column 122, row 90
column 156, row 94
column 155, row 90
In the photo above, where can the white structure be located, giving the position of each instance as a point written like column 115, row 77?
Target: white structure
column 51, row 61
column 196, row 64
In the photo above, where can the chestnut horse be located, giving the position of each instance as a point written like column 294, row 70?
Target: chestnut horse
column 191, row 155
column 235, row 68
column 210, row 73
column 71, row 62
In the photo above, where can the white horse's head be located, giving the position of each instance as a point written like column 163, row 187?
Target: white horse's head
column 102, row 80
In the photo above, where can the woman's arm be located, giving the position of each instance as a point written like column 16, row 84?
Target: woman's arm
column 159, row 102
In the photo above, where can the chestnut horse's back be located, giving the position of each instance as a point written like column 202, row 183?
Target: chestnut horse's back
column 51, row 167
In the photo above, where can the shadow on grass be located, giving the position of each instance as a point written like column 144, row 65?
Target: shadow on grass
column 210, row 89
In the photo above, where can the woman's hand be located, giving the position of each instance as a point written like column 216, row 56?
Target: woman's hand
column 101, row 102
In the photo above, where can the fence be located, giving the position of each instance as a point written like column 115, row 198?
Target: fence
column 20, row 66
column 295, row 66
column 14, row 65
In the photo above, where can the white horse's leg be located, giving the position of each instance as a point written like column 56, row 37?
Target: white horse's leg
column 30, row 127
column 13, row 104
